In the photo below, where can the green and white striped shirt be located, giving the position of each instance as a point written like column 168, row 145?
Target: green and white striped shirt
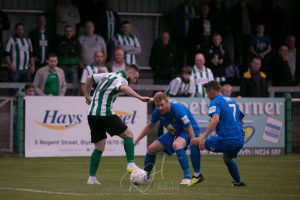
column 20, row 50
column 108, row 89
column 199, row 78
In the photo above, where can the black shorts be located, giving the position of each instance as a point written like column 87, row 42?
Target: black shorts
column 100, row 125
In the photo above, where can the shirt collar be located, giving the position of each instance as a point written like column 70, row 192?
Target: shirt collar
column 123, row 74
column 198, row 70
column 51, row 70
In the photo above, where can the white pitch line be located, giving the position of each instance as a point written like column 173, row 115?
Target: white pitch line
column 143, row 194
column 76, row 194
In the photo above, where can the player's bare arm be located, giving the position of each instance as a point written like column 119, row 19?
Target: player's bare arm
column 210, row 128
column 190, row 131
column 144, row 132
column 129, row 91
column 88, row 87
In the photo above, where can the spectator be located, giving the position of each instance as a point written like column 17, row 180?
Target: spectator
column 108, row 24
column 68, row 50
column 232, row 74
column 66, row 14
column 218, row 58
column 128, row 42
column 19, row 55
column 275, row 19
column 219, row 17
column 163, row 59
column 118, row 63
column 200, row 32
column 181, row 86
column 30, row 90
column 4, row 25
column 227, row 90
column 50, row 79
column 200, row 75
column 90, row 43
column 261, row 46
column 96, row 67
column 254, row 82
column 242, row 22
column 293, row 58
column 181, row 21
column 282, row 75
column 42, row 41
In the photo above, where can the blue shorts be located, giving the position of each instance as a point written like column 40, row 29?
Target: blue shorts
column 167, row 140
column 229, row 148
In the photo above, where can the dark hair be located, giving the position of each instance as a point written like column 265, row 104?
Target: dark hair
column 186, row 70
column 67, row 26
column 28, row 86
column 19, row 24
column 41, row 15
column 126, row 22
column 134, row 67
column 212, row 85
column 255, row 58
column 216, row 34
column 52, row 55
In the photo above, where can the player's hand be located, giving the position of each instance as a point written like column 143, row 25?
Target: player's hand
column 201, row 142
column 88, row 100
column 145, row 99
column 135, row 142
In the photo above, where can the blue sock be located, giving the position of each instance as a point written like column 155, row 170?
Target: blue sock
column 149, row 163
column 195, row 158
column 234, row 171
column 183, row 160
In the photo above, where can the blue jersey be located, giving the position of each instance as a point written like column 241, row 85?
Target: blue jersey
column 230, row 117
column 176, row 120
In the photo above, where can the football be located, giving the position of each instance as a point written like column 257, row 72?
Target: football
column 138, row 177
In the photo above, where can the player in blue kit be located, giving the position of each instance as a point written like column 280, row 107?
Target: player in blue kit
column 226, row 119
column 182, row 130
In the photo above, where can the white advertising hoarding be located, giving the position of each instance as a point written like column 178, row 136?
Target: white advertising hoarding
column 57, row 126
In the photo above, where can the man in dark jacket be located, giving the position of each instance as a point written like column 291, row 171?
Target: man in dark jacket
column 282, row 75
column 218, row 58
column 254, row 82
column 42, row 42
column 4, row 25
column 242, row 25
column 68, row 50
column 163, row 59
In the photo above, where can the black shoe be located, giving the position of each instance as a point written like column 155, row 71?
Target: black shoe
column 235, row 184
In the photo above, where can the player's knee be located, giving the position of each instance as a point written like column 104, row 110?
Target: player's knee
column 227, row 160
column 100, row 145
column 127, row 133
column 151, row 149
column 177, row 145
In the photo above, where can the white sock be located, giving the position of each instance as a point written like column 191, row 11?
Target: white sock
column 196, row 174
column 92, row 177
column 131, row 164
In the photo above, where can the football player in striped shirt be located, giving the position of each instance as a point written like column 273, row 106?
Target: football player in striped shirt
column 102, row 119
column 19, row 55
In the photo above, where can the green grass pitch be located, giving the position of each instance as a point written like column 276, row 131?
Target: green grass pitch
column 267, row 177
